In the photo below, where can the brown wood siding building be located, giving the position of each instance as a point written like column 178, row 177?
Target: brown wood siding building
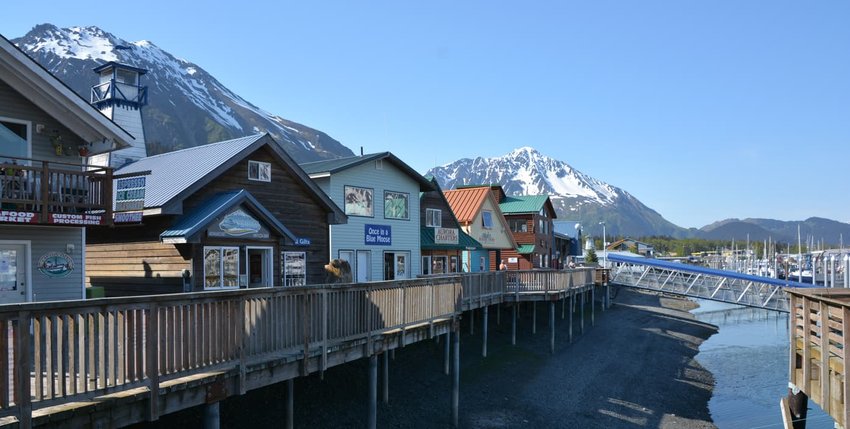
column 138, row 259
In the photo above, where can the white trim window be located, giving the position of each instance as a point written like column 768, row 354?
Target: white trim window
column 221, row 267
column 434, row 217
column 259, row 171
column 294, row 268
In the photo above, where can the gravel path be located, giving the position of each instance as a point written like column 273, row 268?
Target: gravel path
column 635, row 368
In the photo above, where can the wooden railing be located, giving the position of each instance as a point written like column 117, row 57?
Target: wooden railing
column 819, row 321
column 76, row 350
column 43, row 191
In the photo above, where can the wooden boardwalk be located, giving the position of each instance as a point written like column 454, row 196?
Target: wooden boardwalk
column 819, row 352
column 117, row 361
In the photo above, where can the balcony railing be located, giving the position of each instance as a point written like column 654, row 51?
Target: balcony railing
column 42, row 192
column 118, row 92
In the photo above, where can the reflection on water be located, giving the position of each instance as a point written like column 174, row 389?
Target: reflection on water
column 749, row 360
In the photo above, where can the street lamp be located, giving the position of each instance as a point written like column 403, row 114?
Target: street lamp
column 604, row 247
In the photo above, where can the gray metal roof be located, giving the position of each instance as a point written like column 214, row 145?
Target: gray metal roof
column 173, row 172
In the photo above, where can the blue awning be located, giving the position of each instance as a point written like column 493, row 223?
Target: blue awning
column 189, row 226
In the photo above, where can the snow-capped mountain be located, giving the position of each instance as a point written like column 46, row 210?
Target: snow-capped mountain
column 575, row 195
column 186, row 105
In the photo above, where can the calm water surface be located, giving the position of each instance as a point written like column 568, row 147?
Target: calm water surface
column 749, row 360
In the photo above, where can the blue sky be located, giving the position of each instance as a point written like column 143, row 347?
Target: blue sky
column 703, row 110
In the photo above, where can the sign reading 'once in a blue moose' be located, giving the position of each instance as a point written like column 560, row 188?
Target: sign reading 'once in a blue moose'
column 380, row 235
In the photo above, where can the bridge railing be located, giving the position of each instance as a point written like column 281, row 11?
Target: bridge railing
column 819, row 349
column 57, row 352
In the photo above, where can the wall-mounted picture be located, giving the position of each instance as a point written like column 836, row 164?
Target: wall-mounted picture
column 358, row 201
column 396, row 205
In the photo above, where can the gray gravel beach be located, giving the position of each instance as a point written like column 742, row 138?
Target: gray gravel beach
column 635, row 368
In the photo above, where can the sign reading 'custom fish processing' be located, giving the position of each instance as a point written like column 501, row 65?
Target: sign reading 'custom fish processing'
column 237, row 223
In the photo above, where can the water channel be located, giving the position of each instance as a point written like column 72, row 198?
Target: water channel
column 749, row 360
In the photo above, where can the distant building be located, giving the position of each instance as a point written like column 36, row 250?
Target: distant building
column 479, row 215
column 633, row 246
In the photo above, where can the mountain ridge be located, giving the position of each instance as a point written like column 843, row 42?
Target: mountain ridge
column 186, row 105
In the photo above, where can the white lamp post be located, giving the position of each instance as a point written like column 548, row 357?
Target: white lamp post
column 604, row 247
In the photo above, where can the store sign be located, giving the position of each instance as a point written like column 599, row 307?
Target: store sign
column 379, row 235
column 75, row 219
column 486, row 238
column 512, row 260
column 300, row 241
column 445, row 236
column 238, row 223
column 56, row 264
column 130, row 194
column 11, row 216
column 127, row 217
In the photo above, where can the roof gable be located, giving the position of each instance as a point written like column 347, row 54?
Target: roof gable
column 329, row 167
column 174, row 176
column 188, row 226
column 466, row 202
column 526, row 204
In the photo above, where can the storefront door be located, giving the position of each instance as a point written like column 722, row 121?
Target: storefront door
column 396, row 265
column 259, row 266
column 13, row 273
column 363, row 266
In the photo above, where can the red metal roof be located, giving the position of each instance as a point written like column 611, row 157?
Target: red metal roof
column 466, row 203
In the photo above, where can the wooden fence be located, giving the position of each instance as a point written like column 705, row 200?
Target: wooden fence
column 77, row 350
column 819, row 320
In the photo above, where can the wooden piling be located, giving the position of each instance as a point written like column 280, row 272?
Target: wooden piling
column 513, row 323
column 592, row 306
column 583, row 298
column 290, row 403
column 456, row 380
column 386, row 379
column 447, row 354
column 372, row 421
column 484, row 345
column 534, row 318
column 212, row 416
column 552, row 327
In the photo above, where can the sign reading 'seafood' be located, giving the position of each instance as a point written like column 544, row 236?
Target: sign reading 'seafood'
column 380, row 235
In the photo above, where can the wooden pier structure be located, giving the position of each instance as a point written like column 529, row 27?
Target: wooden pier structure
column 819, row 354
column 112, row 362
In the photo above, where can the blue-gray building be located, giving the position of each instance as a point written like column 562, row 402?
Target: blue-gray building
column 380, row 195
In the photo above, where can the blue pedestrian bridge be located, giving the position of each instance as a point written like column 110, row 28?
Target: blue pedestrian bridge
column 701, row 282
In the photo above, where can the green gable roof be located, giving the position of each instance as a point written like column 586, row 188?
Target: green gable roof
column 523, row 204
column 525, row 249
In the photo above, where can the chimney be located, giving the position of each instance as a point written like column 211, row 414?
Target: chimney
column 119, row 95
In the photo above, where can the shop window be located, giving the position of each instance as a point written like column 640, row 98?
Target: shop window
column 454, row 267
column 396, row 205
column 434, row 217
column 259, row 171
column 294, row 268
column 519, row 225
column 221, row 267
column 439, row 265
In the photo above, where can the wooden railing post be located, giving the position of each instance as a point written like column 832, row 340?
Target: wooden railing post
column 845, row 358
column 151, row 362
column 45, row 186
column 242, row 335
column 106, row 197
column 23, row 363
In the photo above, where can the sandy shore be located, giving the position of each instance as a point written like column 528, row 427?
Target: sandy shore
column 635, row 368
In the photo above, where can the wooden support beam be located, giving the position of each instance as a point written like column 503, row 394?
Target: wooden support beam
column 386, row 378
column 583, row 298
column 448, row 352
column 290, row 403
column 212, row 416
column 552, row 327
column 372, row 421
column 534, row 317
column 484, row 342
column 592, row 306
column 513, row 323
column 456, row 380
